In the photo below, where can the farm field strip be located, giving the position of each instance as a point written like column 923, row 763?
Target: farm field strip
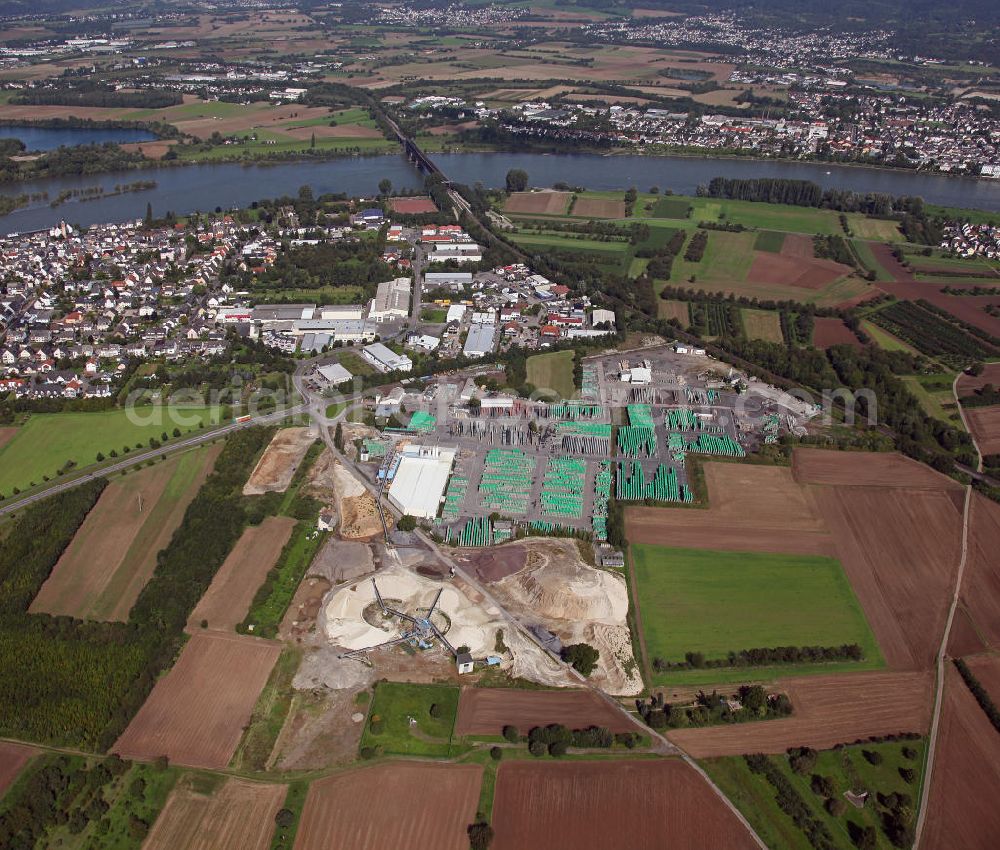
column 113, row 554
column 431, row 806
column 485, row 711
column 196, row 713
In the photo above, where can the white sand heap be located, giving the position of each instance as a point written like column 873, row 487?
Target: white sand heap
column 471, row 625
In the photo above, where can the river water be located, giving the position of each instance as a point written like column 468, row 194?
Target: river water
column 50, row 138
column 205, row 187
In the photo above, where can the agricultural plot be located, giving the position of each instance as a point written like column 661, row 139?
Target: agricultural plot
column 770, row 241
column 980, row 583
column 714, row 603
column 48, row 440
column 13, row 758
column 403, row 804
column 933, row 403
column 538, row 203
column 716, row 318
column 432, row 708
column 586, row 207
column 867, row 257
column 660, row 803
column 413, row 206
column 113, row 554
column 674, row 310
column 984, row 422
column 866, row 469
column 830, row 331
column 874, row 229
column 485, row 711
column 613, row 254
column 961, row 808
column 762, row 324
column 849, row 770
column 671, row 208
column 931, row 334
column 228, row 598
column 196, row 713
column 828, row 710
column 239, row 815
column 552, row 371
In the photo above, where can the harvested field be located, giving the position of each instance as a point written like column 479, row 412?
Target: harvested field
column 538, row 203
column 274, row 470
column 598, row 208
column 962, row 808
column 228, row 598
column 13, row 758
column 828, row 332
column 237, row 816
column 762, row 324
column 485, row 711
column 662, row 803
column 984, row 422
column 829, row 710
column 413, row 206
column 112, row 556
column 751, row 508
column 866, row 469
column 981, row 582
column 432, row 804
column 900, row 549
column 986, row 668
column 964, row 639
column 196, row 713
column 675, row 310
column 788, row 270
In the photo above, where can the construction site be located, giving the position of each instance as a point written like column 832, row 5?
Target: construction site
column 484, row 467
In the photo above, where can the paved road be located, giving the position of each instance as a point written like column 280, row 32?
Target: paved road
column 140, row 457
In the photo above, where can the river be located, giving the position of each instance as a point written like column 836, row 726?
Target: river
column 184, row 189
column 50, row 138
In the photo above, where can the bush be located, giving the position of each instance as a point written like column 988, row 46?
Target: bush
column 582, row 656
column 822, row 785
column 537, row 748
column 802, row 759
column 872, row 756
column 557, row 748
column 406, row 523
column 836, row 807
column 480, row 835
column 284, row 818
column 908, row 774
column 496, row 753
column 511, row 734
column 435, row 710
column 368, row 753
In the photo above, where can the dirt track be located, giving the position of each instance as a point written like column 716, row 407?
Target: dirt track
column 962, row 809
column 196, row 713
column 601, row 805
column 485, row 711
column 829, row 710
column 228, row 598
column 422, row 805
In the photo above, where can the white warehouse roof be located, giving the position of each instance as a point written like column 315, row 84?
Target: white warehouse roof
column 420, row 480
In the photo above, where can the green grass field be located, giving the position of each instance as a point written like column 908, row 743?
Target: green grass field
column 932, row 400
column 434, row 315
column 762, row 324
column 848, row 769
column 884, row 339
column 864, row 252
column 48, row 440
column 727, row 260
column 671, row 207
column 389, row 728
column 553, row 371
column 695, row 600
column 769, row 240
column 876, row 229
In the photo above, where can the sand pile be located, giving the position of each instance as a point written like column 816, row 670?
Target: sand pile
column 579, row 603
column 468, row 624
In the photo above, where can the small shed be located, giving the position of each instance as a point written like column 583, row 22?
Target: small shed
column 464, row 662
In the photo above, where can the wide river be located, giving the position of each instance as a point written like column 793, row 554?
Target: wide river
column 205, row 187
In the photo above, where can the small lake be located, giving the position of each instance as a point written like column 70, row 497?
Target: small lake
column 184, row 189
column 50, row 138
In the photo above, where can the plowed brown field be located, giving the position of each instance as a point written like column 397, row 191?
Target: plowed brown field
column 403, row 804
column 900, row 550
column 830, row 331
column 963, row 640
column 984, row 422
column 829, row 710
column 113, row 554
column 238, row 816
column 196, row 713
column 228, row 598
column 601, row 805
column 969, row 383
column 792, row 271
column 485, row 711
column 538, row 203
column 598, row 208
column 987, row 669
column 981, row 582
column 751, row 509
column 866, row 469
column 962, row 810
column 13, row 757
